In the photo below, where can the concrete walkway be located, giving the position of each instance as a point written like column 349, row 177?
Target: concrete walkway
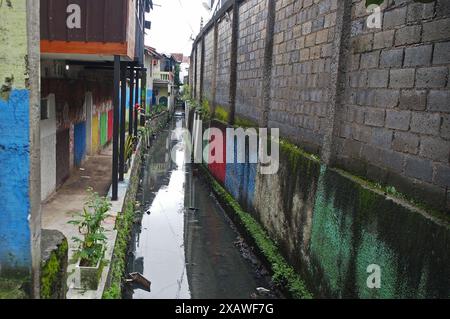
column 69, row 200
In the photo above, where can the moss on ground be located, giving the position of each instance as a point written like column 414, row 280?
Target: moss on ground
column 283, row 273
column 123, row 225
column 12, row 288
column 221, row 114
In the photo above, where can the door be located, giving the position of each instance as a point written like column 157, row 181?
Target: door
column 62, row 156
column 80, row 143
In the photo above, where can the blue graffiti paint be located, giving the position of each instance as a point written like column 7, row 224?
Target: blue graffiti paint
column 240, row 179
column 127, row 97
column 149, row 97
column 15, row 249
column 79, row 143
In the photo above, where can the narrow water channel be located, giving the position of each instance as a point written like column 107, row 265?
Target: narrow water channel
column 185, row 252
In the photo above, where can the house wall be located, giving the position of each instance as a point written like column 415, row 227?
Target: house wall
column 19, row 148
column 48, row 151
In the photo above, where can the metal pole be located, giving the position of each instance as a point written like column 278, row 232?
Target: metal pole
column 135, row 121
column 123, row 110
column 131, row 104
column 116, row 106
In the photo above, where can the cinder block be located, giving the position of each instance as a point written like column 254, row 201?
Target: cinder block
column 436, row 30
column 435, row 148
column 394, row 17
column 419, row 168
column 383, row 39
column 374, row 117
column 398, row 120
column 418, row 56
column 401, row 78
column 413, row 100
column 425, row 123
column 439, row 101
column 445, row 127
column 381, row 137
column 370, row 60
column 434, row 77
column 378, row 78
column 408, row 35
column 406, row 142
column 441, row 53
column 442, row 175
column 391, row 58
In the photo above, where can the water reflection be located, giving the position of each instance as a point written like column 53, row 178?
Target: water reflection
column 184, row 242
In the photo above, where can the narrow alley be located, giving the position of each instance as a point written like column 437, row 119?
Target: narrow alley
column 200, row 150
column 184, row 242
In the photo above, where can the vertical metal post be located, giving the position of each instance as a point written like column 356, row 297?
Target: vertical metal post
column 233, row 62
column 123, row 110
column 267, row 67
column 116, row 107
column 144, row 91
column 136, row 119
column 131, row 103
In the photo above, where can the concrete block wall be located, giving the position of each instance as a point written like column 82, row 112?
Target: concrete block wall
column 392, row 125
column 331, row 227
column 303, row 44
column 223, row 62
column 209, row 65
column 374, row 102
column 250, row 58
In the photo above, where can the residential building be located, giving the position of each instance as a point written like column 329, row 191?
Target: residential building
column 71, row 110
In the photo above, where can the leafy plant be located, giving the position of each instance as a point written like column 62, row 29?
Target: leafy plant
column 129, row 147
column 89, row 225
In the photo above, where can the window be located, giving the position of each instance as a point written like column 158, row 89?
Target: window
column 44, row 109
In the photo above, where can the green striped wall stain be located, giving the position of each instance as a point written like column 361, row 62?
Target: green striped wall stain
column 103, row 128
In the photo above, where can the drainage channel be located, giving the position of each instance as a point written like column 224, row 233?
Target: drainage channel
column 182, row 240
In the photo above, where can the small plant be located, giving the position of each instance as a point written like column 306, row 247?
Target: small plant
column 89, row 224
column 129, row 147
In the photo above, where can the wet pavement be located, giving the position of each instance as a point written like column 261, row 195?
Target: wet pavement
column 182, row 241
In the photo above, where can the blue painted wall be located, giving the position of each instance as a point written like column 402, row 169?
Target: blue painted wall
column 240, row 179
column 15, row 249
column 79, row 143
column 128, row 97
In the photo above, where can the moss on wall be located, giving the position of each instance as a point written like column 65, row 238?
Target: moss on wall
column 12, row 288
column 283, row 273
column 354, row 227
column 221, row 114
column 53, row 273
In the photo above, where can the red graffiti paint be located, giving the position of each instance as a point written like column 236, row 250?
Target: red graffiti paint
column 218, row 170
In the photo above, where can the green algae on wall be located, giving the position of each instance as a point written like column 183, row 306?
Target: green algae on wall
column 12, row 288
column 354, row 227
column 283, row 273
column 13, row 34
column 53, row 273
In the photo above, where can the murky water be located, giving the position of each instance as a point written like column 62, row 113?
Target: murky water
column 184, row 243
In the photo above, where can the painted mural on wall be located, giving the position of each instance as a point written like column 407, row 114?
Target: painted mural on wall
column 15, row 248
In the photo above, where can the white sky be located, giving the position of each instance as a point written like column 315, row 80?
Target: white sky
column 173, row 23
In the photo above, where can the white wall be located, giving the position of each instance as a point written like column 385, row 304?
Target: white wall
column 48, row 151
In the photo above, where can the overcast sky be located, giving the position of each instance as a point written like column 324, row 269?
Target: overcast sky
column 173, row 23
